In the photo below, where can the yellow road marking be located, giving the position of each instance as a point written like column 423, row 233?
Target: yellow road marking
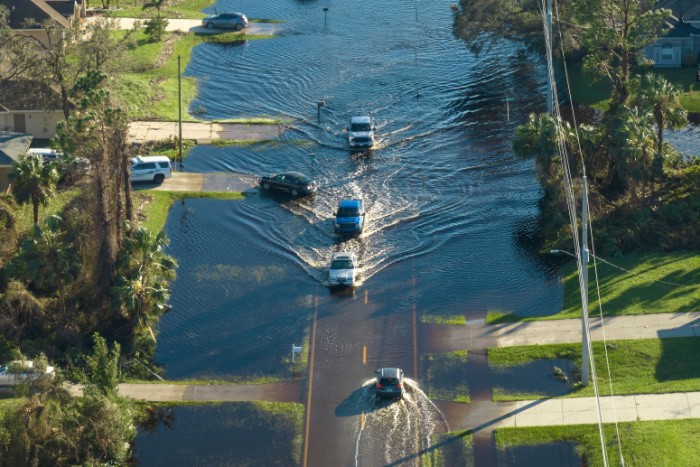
column 364, row 355
column 311, row 380
column 366, row 294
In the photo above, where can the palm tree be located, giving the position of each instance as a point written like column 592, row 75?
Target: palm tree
column 48, row 258
column 661, row 98
column 34, row 182
column 143, row 274
column 635, row 159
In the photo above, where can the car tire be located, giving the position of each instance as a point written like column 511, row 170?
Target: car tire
column 210, row 25
column 266, row 186
column 294, row 192
column 159, row 178
column 238, row 27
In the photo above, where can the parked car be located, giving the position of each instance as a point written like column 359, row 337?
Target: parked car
column 47, row 154
column 16, row 372
column 342, row 270
column 237, row 21
column 389, row 383
column 294, row 183
column 361, row 133
column 151, row 169
column 350, row 217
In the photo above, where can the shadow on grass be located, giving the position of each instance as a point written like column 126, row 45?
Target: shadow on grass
column 678, row 360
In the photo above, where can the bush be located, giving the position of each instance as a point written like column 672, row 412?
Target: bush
column 155, row 28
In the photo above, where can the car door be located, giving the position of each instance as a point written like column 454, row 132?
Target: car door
column 278, row 182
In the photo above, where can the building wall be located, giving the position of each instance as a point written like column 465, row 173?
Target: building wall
column 39, row 124
column 4, row 179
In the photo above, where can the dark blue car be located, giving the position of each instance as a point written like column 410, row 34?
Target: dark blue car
column 350, row 217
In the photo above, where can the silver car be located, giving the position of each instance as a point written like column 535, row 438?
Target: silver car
column 343, row 269
column 236, row 21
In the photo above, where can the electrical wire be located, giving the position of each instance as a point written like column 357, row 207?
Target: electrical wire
column 571, row 204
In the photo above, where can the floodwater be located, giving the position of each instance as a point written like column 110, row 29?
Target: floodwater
column 446, row 202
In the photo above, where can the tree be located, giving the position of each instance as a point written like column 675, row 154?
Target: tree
column 103, row 366
column 48, row 259
column 97, row 131
column 614, row 32
column 157, row 4
column 480, row 22
column 661, row 98
column 33, row 181
column 143, row 273
column 634, row 157
column 51, row 427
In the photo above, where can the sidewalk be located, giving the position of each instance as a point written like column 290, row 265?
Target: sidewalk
column 186, row 181
column 202, row 132
column 283, row 391
column 479, row 335
column 581, row 410
column 194, row 25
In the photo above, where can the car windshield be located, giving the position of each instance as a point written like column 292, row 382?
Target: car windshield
column 341, row 264
column 348, row 212
column 388, row 381
column 360, row 127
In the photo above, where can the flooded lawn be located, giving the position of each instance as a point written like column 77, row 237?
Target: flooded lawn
column 243, row 433
column 445, row 376
column 561, row 454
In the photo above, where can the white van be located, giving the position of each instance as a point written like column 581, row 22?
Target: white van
column 151, row 169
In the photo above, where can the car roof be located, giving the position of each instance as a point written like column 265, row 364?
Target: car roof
column 151, row 159
column 42, row 151
column 350, row 203
column 295, row 175
column 343, row 255
column 361, row 119
column 389, row 372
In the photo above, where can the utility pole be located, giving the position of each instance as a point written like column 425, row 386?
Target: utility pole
column 179, row 115
column 585, row 356
column 550, row 106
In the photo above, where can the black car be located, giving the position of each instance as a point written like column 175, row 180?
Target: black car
column 389, row 383
column 294, row 183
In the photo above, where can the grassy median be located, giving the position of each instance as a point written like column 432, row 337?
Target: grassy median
column 640, row 366
column 655, row 283
column 665, row 442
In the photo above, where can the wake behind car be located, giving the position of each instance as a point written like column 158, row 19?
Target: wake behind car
column 236, row 21
column 350, row 217
column 294, row 183
column 389, row 383
column 151, row 169
column 361, row 133
column 343, row 269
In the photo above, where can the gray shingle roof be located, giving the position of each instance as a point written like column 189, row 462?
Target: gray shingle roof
column 28, row 95
column 13, row 146
column 688, row 10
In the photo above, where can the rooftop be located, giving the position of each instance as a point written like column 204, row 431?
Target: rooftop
column 13, row 146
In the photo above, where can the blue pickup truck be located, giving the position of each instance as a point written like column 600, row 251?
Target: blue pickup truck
column 350, row 217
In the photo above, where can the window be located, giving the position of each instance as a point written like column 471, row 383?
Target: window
column 163, row 165
column 667, row 52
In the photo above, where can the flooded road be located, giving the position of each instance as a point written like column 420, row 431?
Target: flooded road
column 446, row 201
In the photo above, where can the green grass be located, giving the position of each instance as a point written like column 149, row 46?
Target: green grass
column 158, row 204
column 587, row 91
column 150, row 92
column 25, row 216
column 658, row 443
column 256, row 379
column 174, row 9
column 445, row 376
column 635, row 293
column 448, row 449
column 439, row 319
column 640, row 366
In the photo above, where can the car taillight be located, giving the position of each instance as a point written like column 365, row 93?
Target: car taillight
column 379, row 386
column 398, row 386
column 171, row 170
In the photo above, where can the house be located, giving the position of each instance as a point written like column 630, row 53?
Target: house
column 681, row 45
column 29, row 14
column 26, row 107
column 12, row 147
